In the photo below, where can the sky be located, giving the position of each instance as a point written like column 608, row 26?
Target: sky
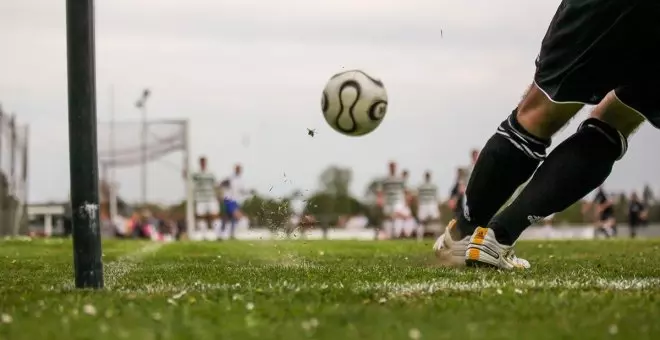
column 248, row 77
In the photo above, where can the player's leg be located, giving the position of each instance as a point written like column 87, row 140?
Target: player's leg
column 609, row 225
column 398, row 224
column 232, row 212
column 435, row 218
column 423, row 217
column 388, row 227
column 200, row 220
column 237, row 216
column 401, row 218
column 421, row 229
column 612, row 227
column 410, row 226
column 604, row 227
column 599, row 142
column 510, row 156
column 409, row 222
column 597, row 61
column 599, row 226
column 388, row 222
column 591, row 152
column 215, row 220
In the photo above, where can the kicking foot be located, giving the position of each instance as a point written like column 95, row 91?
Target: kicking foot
column 450, row 252
column 484, row 250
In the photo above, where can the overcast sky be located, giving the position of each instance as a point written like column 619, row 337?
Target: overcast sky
column 248, row 76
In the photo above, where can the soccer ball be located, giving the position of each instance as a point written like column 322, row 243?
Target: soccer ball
column 354, row 103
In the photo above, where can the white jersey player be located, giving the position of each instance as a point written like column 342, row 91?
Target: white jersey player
column 207, row 207
column 410, row 224
column 233, row 196
column 392, row 192
column 427, row 198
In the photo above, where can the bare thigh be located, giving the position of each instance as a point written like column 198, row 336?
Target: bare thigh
column 543, row 117
column 618, row 115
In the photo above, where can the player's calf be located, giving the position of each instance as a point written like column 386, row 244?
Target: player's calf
column 591, row 152
column 511, row 156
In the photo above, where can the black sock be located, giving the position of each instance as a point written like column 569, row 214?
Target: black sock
column 576, row 167
column 507, row 160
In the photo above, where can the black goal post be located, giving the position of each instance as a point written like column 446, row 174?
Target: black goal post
column 83, row 153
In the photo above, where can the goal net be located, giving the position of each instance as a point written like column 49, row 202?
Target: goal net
column 13, row 176
column 144, row 164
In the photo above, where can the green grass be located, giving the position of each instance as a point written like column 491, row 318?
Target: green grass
column 330, row 290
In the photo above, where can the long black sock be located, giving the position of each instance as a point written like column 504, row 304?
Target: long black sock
column 507, row 160
column 576, row 167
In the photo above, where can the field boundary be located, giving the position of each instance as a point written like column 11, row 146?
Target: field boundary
column 394, row 289
column 539, row 233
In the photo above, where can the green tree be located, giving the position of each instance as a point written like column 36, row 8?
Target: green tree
column 334, row 199
column 336, row 181
column 571, row 215
column 371, row 191
column 328, row 208
column 271, row 213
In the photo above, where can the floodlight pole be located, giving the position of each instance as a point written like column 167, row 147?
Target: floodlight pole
column 112, row 195
column 142, row 105
column 83, row 153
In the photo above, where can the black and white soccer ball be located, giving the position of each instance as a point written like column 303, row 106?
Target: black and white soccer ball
column 354, row 103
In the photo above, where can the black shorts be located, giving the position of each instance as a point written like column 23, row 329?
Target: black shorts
column 595, row 46
column 606, row 216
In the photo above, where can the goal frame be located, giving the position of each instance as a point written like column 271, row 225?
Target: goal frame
column 186, row 168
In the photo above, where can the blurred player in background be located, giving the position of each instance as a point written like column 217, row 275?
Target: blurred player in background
column 427, row 204
column 443, row 248
column 637, row 214
column 409, row 224
column 207, row 208
column 392, row 189
column 457, row 194
column 474, row 155
column 233, row 195
column 405, row 175
column 605, row 219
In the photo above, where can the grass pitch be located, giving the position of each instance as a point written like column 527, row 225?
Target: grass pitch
column 330, row 290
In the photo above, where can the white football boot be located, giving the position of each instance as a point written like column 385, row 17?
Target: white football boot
column 450, row 252
column 483, row 249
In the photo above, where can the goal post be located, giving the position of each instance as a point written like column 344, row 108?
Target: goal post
column 123, row 146
column 83, row 157
column 190, row 210
column 13, row 175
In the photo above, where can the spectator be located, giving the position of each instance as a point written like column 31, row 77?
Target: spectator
column 636, row 214
column 458, row 193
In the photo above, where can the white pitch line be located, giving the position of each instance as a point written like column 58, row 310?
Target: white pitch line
column 124, row 265
column 117, row 269
column 394, row 289
column 293, row 260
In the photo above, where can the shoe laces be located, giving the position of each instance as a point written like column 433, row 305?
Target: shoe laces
column 511, row 254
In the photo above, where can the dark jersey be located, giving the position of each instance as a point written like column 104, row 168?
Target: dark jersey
column 635, row 210
column 458, row 196
column 601, row 198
